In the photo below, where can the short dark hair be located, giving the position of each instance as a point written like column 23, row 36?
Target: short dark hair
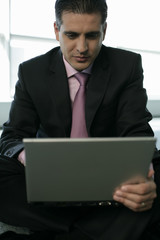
column 80, row 6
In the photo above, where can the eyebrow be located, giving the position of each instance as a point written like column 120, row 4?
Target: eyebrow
column 94, row 33
column 70, row 32
column 76, row 33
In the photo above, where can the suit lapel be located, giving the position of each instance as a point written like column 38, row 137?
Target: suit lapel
column 59, row 91
column 96, row 87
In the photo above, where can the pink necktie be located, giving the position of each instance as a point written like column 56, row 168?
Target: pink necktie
column 79, row 129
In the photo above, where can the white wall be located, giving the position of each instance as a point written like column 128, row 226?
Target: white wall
column 4, row 111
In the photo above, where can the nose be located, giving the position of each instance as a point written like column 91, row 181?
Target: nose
column 82, row 46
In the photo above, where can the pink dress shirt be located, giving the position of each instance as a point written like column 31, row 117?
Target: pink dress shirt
column 73, row 88
column 72, row 81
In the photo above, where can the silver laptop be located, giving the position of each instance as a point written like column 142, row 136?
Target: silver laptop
column 84, row 170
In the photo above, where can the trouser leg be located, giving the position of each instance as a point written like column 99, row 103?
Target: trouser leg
column 15, row 210
column 114, row 223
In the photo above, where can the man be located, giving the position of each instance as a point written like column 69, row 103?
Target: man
column 115, row 106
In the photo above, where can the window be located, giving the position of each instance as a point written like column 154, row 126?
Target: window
column 4, row 50
column 26, row 30
column 133, row 25
column 31, row 31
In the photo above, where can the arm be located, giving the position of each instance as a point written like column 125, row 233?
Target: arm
column 132, row 120
column 23, row 121
column 132, row 114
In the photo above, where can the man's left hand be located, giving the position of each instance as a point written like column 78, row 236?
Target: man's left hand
column 138, row 197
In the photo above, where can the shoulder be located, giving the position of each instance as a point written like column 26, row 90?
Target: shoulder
column 41, row 60
column 117, row 52
column 119, row 58
column 38, row 69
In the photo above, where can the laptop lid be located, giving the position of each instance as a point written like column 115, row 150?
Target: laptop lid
column 80, row 170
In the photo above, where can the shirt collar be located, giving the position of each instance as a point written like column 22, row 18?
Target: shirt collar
column 71, row 71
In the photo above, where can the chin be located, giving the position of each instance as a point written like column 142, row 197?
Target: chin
column 80, row 66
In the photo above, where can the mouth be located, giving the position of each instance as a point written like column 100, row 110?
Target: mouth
column 81, row 58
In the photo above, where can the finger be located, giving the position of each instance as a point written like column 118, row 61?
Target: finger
column 134, row 206
column 141, row 189
column 151, row 173
column 132, row 197
column 141, row 207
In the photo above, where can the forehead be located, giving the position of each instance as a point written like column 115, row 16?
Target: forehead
column 81, row 22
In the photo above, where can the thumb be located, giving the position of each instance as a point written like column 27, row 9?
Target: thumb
column 151, row 173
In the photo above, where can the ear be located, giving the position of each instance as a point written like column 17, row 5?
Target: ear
column 56, row 30
column 104, row 30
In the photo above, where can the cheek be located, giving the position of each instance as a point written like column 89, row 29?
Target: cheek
column 67, row 52
column 66, row 47
column 95, row 47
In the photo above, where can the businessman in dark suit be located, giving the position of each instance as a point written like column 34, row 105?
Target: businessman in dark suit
column 115, row 106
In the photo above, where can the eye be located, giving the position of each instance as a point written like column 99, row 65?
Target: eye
column 71, row 35
column 92, row 35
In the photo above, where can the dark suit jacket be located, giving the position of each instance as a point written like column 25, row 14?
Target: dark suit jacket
column 115, row 106
column 115, row 99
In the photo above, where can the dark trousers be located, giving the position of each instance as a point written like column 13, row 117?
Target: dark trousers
column 94, row 222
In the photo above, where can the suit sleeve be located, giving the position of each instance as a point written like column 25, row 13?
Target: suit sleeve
column 132, row 114
column 23, row 121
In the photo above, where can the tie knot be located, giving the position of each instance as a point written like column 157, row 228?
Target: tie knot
column 82, row 78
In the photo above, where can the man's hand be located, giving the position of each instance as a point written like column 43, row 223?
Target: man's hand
column 138, row 197
column 22, row 157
